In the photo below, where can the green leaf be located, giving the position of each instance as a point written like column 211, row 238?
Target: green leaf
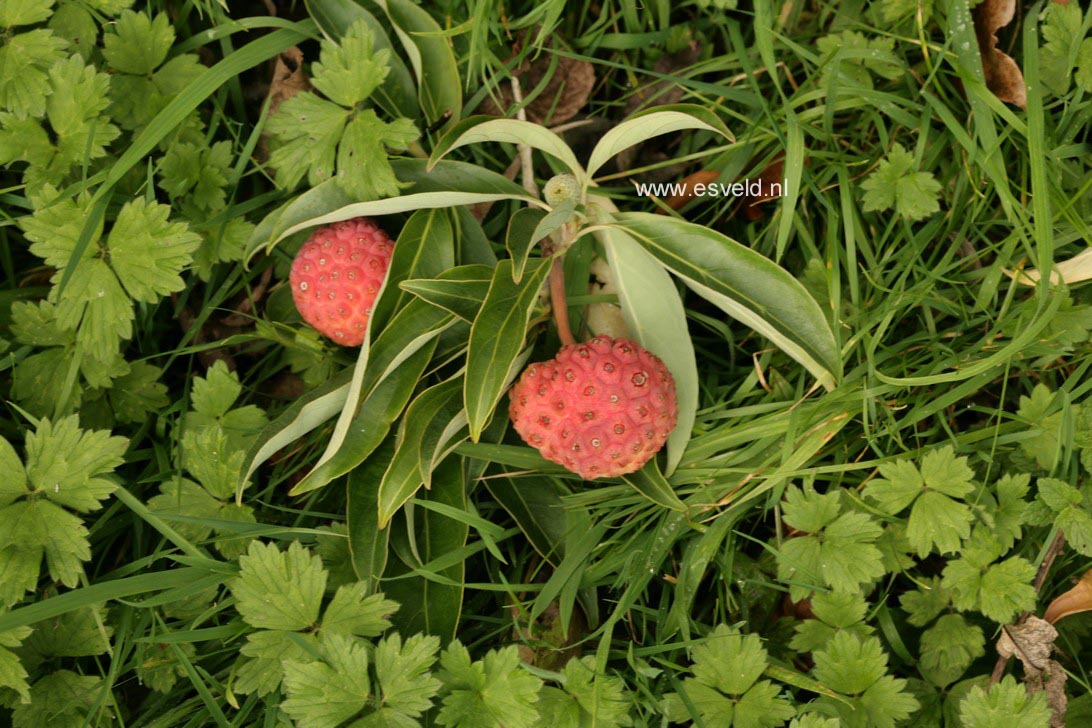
column 362, row 166
column 260, row 670
column 496, row 339
column 1044, row 444
column 405, row 681
column 948, row 648
column 402, row 203
column 61, row 698
column 938, row 520
column 426, row 417
column 490, row 693
column 1076, row 524
column 308, row 129
column 24, row 12
column 25, row 60
column 439, row 87
column 654, row 313
column 914, row 195
column 434, row 598
column 651, row 123
column 396, row 95
column 480, row 129
column 328, row 693
column 353, row 612
column 743, row 284
column 64, row 463
column 593, row 699
column 728, row 660
column 367, row 541
column 1006, row 703
column 999, row 590
column 137, row 393
column 139, row 43
column 923, row 605
column 13, row 675
column 349, row 71
column 381, row 406
column 1083, row 76
column 850, row 664
column 460, row 290
column 651, row 483
column 520, row 238
column 279, row 590
column 841, row 555
column 1062, row 33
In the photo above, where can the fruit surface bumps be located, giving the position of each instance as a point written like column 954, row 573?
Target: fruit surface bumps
column 337, row 275
column 600, row 409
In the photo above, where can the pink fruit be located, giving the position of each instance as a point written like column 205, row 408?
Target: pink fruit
column 600, row 409
column 337, row 275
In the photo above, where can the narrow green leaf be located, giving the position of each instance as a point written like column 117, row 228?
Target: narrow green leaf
column 372, row 421
column 519, row 239
column 651, row 483
column 535, row 504
column 439, row 87
column 367, row 541
column 460, row 290
column 744, row 284
column 432, row 409
column 301, row 417
column 650, row 123
column 432, row 602
column 479, row 129
column 392, row 205
column 496, row 339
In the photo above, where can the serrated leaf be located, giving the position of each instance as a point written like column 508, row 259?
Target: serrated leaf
column 326, row 694
column 1006, row 703
column 490, row 693
column 351, row 69
column 139, row 43
column 948, row 648
column 24, row 12
column 743, row 284
column 913, row 195
column 353, row 612
column 280, row 590
column 850, row 664
column 405, row 681
column 25, row 59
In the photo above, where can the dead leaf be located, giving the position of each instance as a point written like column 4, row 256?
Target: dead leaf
column 1076, row 269
column 1032, row 642
column 1076, row 600
column 1003, row 76
column 288, row 79
column 701, row 177
column 566, row 92
column 665, row 90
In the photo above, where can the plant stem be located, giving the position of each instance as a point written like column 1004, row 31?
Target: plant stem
column 558, row 302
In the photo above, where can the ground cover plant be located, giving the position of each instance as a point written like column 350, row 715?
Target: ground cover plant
column 292, row 292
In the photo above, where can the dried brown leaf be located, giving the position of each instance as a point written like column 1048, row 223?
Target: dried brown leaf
column 1076, row 600
column 566, row 92
column 1032, row 642
column 1003, row 75
column 701, row 177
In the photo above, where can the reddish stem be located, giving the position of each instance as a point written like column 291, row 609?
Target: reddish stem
column 559, row 304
